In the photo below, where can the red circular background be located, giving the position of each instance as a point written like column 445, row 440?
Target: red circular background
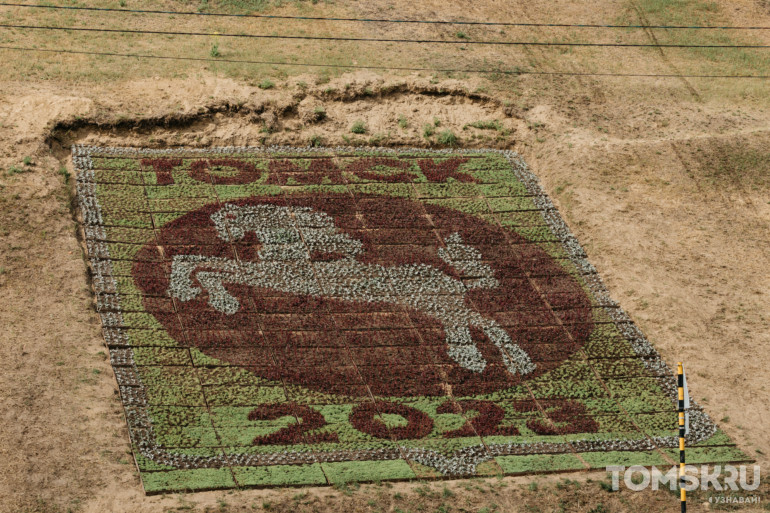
column 339, row 346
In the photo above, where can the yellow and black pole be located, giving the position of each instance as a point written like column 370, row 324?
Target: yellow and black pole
column 681, row 386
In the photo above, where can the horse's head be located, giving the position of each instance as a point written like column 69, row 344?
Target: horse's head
column 277, row 226
column 272, row 224
column 321, row 234
column 228, row 221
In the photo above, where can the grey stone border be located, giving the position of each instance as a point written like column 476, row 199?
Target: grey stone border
column 463, row 461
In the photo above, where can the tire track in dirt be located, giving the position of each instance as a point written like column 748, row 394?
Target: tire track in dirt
column 653, row 38
column 587, row 83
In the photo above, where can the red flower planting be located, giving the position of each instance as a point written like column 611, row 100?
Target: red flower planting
column 439, row 172
column 318, row 170
column 566, row 417
column 307, row 419
column 217, row 171
column 365, row 418
column 381, row 169
column 486, row 422
column 205, row 170
column 162, row 168
column 400, row 346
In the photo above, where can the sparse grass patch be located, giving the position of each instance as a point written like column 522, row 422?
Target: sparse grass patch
column 686, row 11
column 16, row 170
column 485, row 125
column 403, row 122
column 447, row 138
column 735, row 163
column 561, row 187
column 606, row 486
column 319, row 113
column 706, row 12
column 248, row 6
column 65, row 174
column 359, row 127
column 422, row 491
column 379, row 138
column 348, row 488
column 266, row 84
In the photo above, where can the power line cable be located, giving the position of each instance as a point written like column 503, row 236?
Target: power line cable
column 387, row 20
column 372, row 39
column 388, row 68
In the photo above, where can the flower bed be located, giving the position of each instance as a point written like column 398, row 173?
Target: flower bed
column 293, row 317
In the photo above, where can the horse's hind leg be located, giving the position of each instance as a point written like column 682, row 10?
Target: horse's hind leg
column 463, row 350
column 516, row 360
column 219, row 298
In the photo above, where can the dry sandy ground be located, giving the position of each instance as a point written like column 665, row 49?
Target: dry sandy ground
column 669, row 192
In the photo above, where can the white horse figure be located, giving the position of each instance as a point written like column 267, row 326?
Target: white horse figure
column 290, row 235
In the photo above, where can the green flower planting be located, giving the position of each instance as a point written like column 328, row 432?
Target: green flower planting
column 285, row 317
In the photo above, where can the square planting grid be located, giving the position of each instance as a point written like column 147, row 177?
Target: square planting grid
column 285, row 316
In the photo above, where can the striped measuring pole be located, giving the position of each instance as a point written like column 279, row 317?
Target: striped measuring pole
column 683, row 396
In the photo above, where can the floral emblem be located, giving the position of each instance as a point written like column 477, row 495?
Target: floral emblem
column 374, row 259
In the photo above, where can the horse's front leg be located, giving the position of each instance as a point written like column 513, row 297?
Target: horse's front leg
column 516, row 360
column 219, row 298
column 462, row 349
column 211, row 273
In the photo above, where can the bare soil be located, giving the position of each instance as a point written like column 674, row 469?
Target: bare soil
column 665, row 182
